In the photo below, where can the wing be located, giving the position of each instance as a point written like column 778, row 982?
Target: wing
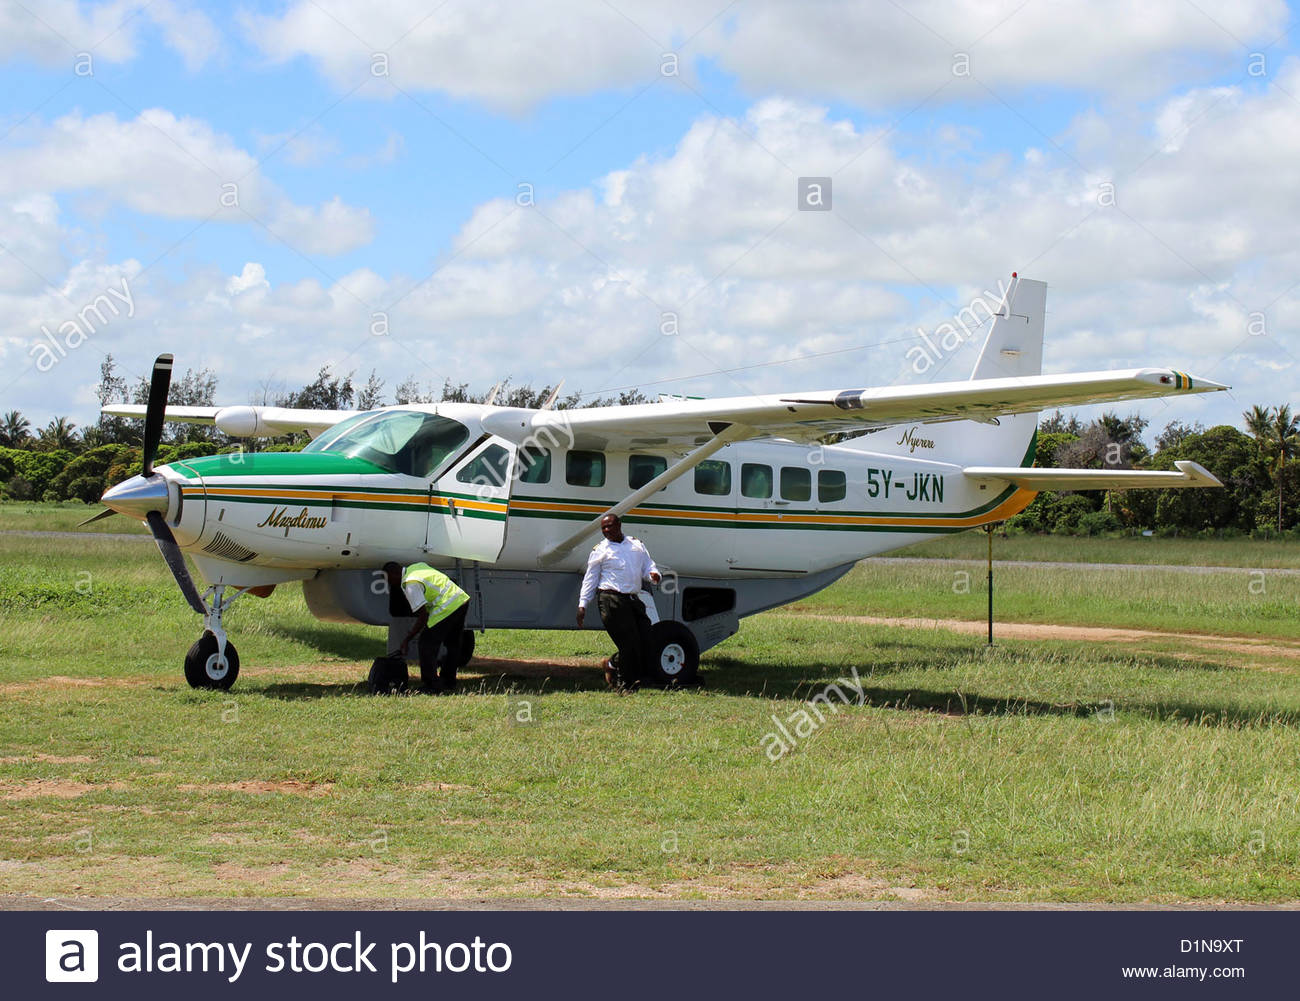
column 806, row 416
column 244, row 422
column 1189, row 474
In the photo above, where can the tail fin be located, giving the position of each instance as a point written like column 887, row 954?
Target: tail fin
column 1014, row 345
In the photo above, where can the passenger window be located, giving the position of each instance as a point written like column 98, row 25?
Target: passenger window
column 585, row 469
column 713, row 477
column 641, row 469
column 755, row 480
column 832, row 485
column 534, row 465
column 796, row 483
column 487, row 469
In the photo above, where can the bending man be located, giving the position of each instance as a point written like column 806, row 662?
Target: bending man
column 439, row 607
column 615, row 570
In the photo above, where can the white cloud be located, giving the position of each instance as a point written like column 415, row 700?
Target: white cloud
column 253, row 277
column 174, row 167
column 513, row 57
column 53, row 32
column 577, row 286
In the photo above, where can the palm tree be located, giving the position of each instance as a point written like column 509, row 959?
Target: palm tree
column 1258, row 421
column 1283, row 443
column 14, row 429
column 59, row 433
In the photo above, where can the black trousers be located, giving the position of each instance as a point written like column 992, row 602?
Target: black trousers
column 624, row 618
column 448, row 631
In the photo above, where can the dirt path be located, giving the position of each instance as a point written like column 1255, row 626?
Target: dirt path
column 1081, row 634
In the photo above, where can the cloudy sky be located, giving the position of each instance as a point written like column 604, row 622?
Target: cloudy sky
column 476, row 189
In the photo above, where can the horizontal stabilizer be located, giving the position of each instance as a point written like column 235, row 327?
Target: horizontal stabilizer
column 1189, row 474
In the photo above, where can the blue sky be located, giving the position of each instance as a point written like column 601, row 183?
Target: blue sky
column 652, row 193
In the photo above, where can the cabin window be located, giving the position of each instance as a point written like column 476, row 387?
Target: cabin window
column 755, row 480
column 713, row 477
column 832, row 485
column 584, row 469
column 534, row 465
column 796, row 483
column 641, row 469
column 399, row 441
column 487, row 469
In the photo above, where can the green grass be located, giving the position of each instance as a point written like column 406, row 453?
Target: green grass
column 1162, row 770
column 1233, row 602
column 63, row 517
column 1238, row 552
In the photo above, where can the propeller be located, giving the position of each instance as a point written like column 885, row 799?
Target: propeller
column 175, row 559
column 108, row 511
column 155, row 412
column 146, row 496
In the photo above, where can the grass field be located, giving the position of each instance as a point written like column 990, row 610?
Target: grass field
column 1068, row 767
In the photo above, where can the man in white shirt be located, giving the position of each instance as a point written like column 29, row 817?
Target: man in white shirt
column 615, row 570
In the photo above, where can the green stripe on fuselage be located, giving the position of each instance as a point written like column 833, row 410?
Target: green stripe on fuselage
column 276, row 464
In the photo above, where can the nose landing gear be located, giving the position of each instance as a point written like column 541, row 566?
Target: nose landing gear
column 213, row 661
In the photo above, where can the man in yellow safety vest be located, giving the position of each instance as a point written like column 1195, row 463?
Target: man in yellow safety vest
column 439, row 607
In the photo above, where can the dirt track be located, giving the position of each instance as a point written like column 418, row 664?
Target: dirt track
column 1083, row 634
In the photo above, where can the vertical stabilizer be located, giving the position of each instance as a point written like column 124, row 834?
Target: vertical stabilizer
column 1014, row 345
column 1013, row 348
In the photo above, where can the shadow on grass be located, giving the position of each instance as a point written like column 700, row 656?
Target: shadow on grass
column 337, row 642
column 483, row 677
column 748, row 679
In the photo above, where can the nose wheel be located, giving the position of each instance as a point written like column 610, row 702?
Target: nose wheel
column 208, row 667
column 213, row 661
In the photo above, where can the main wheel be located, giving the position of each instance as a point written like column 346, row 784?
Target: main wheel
column 674, row 654
column 388, row 675
column 466, row 652
column 204, row 669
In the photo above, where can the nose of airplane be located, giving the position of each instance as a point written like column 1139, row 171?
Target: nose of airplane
column 138, row 496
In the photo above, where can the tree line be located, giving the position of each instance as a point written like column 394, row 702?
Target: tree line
column 64, row 462
column 1256, row 464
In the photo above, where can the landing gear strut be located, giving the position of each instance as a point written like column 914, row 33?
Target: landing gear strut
column 213, row 661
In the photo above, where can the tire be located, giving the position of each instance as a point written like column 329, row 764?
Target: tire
column 202, row 670
column 674, row 654
column 388, row 676
column 466, row 652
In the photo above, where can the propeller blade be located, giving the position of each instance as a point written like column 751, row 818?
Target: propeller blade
column 102, row 514
column 175, row 560
column 156, row 410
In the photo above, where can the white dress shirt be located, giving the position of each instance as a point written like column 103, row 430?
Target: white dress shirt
column 616, row 566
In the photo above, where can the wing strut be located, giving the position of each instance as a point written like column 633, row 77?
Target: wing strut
column 723, row 434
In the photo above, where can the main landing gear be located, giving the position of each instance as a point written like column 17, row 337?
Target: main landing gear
column 213, row 661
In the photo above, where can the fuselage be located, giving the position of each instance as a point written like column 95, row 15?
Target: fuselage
column 757, row 508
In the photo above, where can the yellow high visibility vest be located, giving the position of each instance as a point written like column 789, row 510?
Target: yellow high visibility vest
column 441, row 595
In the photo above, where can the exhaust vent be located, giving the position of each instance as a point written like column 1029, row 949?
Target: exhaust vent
column 225, row 548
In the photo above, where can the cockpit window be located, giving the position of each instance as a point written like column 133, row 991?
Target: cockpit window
column 401, row 441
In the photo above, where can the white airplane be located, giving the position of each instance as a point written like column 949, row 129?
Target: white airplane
column 735, row 499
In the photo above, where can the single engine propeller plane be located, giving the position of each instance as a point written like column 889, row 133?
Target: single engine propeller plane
column 735, row 497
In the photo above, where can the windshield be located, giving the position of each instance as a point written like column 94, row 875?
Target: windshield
column 401, row 441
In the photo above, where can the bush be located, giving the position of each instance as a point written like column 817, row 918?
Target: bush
column 86, row 488
column 1067, row 512
column 20, row 489
column 1097, row 522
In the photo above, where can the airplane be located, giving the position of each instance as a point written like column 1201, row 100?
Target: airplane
column 742, row 506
